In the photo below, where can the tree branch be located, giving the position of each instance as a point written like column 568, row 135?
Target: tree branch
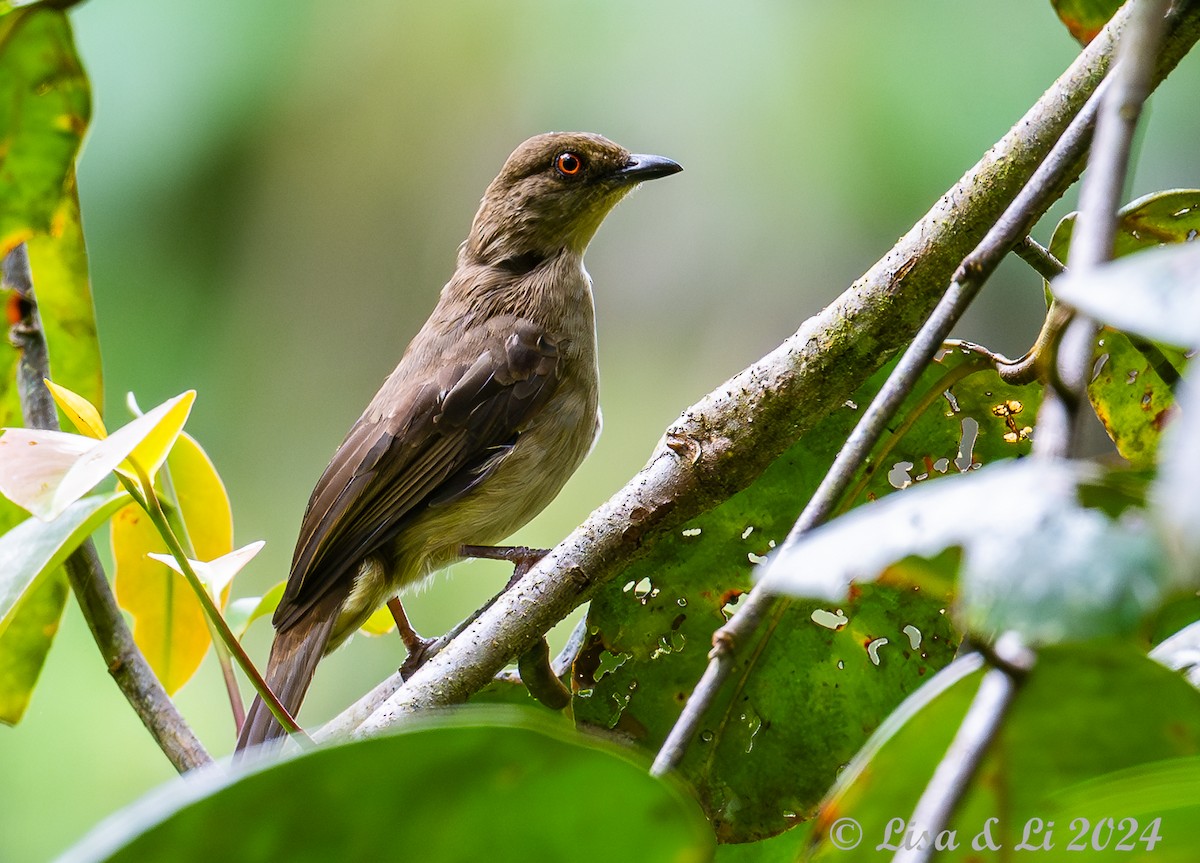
column 722, row 444
column 1059, row 425
column 124, row 661
column 1014, row 223
column 975, row 734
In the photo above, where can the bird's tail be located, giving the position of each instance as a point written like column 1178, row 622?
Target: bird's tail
column 294, row 656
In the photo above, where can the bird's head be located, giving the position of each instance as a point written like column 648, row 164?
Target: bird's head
column 553, row 193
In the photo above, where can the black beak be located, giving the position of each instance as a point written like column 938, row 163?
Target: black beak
column 641, row 167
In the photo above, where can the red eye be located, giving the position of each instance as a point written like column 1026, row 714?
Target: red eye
column 568, row 164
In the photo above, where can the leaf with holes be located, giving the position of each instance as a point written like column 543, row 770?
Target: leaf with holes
column 1093, row 696
column 1035, row 559
column 1134, row 414
column 1133, row 392
column 790, row 717
column 961, row 415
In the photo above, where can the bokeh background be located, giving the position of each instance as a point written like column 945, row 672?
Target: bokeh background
column 273, row 193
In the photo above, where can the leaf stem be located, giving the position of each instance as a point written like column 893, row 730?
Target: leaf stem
column 147, row 498
column 175, row 518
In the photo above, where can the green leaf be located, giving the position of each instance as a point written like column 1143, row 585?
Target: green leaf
column 1154, row 294
column 35, row 548
column 566, row 798
column 26, row 640
column 58, row 261
column 1117, row 801
column 1080, row 715
column 1085, row 18
column 44, row 110
column 1133, row 395
column 808, row 694
column 32, row 592
column 244, row 611
column 1034, row 559
column 1160, row 218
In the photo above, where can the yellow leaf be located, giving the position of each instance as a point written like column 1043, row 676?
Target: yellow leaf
column 379, row 623
column 168, row 622
column 79, row 411
column 153, row 449
column 45, row 472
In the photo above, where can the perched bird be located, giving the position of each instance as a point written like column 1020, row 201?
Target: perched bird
column 492, row 408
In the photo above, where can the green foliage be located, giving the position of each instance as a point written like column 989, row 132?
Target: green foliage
column 1079, row 719
column 33, row 590
column 821, row 677
column 848, row 694
column 1035, row 560
column 45, row 106
column 481, row 784
column 1133, row 389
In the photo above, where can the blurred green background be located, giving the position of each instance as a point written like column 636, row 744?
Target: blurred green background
column 273, row 194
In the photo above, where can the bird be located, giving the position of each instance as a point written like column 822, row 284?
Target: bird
column 493, row 406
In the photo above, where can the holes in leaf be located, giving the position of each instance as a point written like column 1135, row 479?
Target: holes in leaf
column 914, row 636
column 754, row 725
column 643, row 590
column 732, row 599
column 898, row 476
column 609, row 662
column 834, row 620
column 747, row 531
column 966, row 445
column 873, row 649
column 692, row 531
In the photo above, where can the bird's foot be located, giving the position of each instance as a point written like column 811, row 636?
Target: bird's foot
column 522, row 557
column 418, row 648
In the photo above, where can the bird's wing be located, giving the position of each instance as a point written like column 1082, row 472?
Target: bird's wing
column 444, row 437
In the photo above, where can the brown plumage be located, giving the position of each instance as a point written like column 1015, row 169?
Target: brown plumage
column 491, row 409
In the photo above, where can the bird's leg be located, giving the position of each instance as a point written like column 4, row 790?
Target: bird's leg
column 534, row 664
column 416, row 646
column 521, row 556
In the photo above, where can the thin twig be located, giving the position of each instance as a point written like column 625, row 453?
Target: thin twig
column 962, row 759
column 124, row 661
column 1059, row 420
column 1039, row 257
column 723, row 443
column 1013, row 224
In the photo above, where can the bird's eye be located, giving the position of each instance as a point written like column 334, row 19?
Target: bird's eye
column 568, row 164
